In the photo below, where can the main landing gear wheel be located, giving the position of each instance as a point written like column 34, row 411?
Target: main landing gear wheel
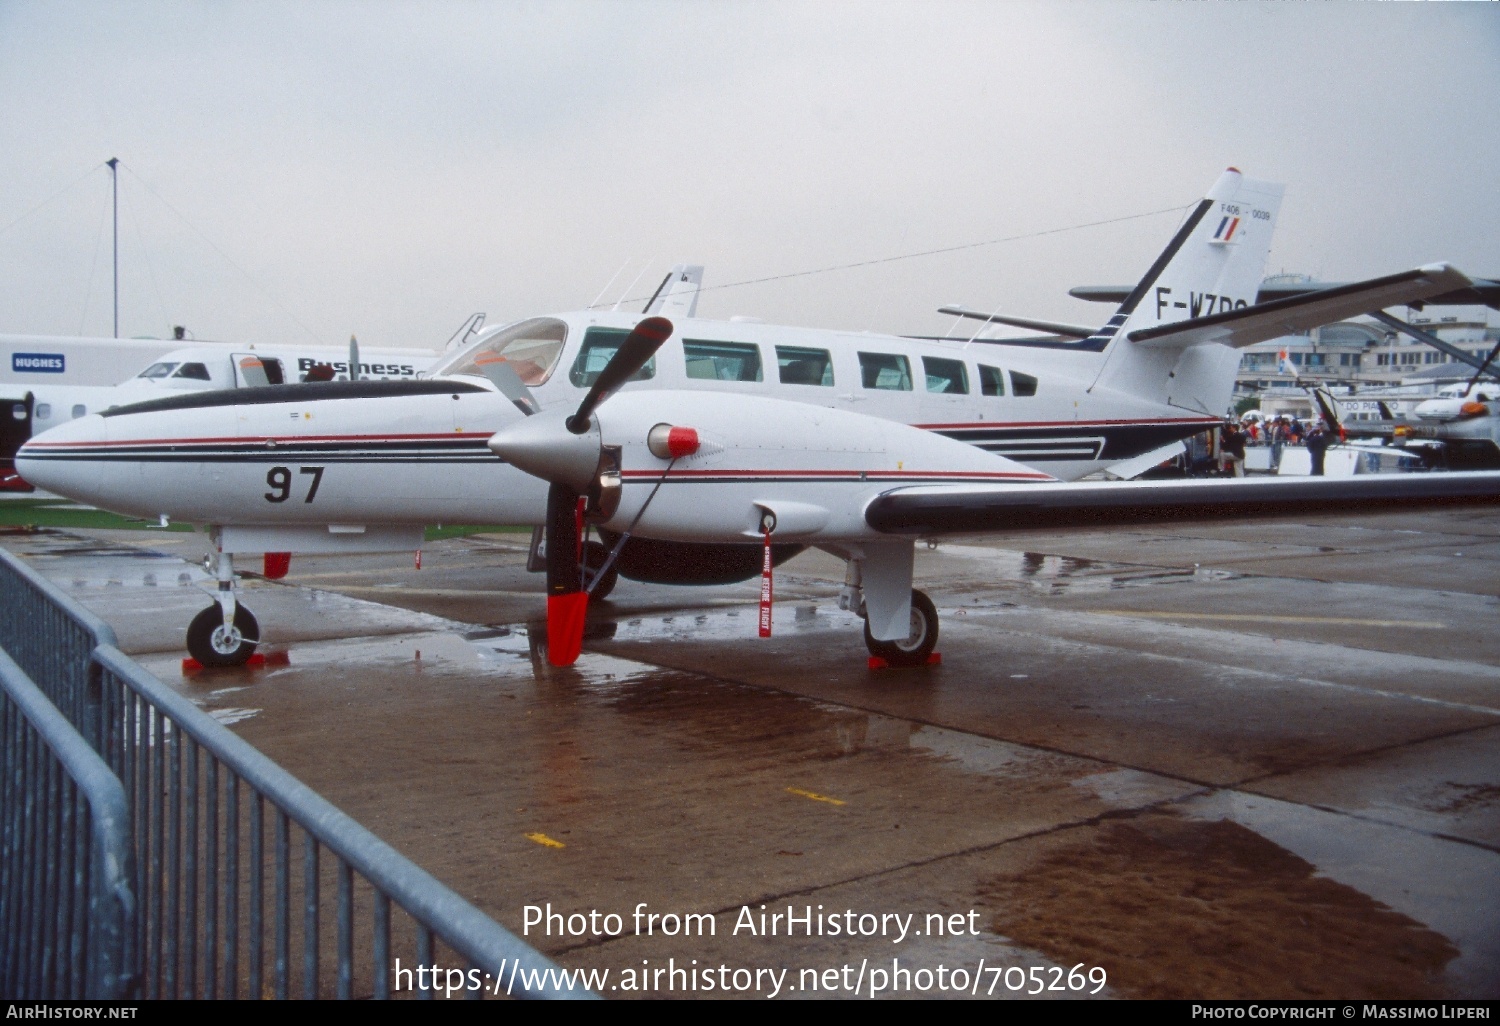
column 914, row 649
column 213, row 644
column 594, row 555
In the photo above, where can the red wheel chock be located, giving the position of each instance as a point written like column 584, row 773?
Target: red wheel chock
column 879, row 662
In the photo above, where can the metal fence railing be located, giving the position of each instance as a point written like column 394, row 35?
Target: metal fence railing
column 246, row 882
column 51, row 637
column 66, row 869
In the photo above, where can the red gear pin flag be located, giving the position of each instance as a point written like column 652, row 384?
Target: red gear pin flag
column 765, row 580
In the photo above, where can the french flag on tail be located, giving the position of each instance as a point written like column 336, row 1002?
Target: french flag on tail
column 1228, row 225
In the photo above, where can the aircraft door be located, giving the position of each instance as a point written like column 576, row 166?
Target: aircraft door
column 15, row 429
column 250, row 371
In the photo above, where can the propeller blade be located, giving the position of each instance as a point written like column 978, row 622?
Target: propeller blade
column 567, row 602
column 632, row 355
column 1326, row 407
column 505, row 378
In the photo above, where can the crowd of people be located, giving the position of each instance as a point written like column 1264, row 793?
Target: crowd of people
column 1276, row 432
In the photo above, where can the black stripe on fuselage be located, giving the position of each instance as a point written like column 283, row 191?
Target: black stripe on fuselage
column 429, row 451
column 1065, row 442
column 311, row 391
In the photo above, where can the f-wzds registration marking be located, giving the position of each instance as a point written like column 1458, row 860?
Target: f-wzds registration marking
column 280, row 481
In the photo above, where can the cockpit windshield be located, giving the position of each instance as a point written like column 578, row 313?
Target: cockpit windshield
column 157, row 370
column 532, row 348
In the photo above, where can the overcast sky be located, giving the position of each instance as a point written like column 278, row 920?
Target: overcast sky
column 301, row 171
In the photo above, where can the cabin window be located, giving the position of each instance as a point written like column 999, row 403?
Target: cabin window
column 18, row 411
column 196, row 371
column 946, row 376
column 599, row 345
column 531, row 347
column 1022, row 384
column 274, row 374
column 991, row 380
column 157, row 370
column 799, row 366
column 722, row 361
column 80, row 410
column 890, row 371
column 43, row 411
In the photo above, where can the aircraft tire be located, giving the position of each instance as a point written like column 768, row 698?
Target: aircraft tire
column 594, row 555
column 914, row 650
column 212, row 645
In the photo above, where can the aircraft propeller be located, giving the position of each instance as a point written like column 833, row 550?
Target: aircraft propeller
column 583, row 476
column 1328, row 411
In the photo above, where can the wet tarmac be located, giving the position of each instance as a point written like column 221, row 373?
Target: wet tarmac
column 1252, row 760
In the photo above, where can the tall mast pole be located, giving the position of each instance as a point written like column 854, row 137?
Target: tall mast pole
column 114, row 190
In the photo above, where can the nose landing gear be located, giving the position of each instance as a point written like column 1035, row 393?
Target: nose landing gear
column 214, row 643
column 226, row 633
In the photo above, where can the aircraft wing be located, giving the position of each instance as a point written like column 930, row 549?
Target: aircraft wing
column 1077, row 331
column 1263, row 321
column 971, row 509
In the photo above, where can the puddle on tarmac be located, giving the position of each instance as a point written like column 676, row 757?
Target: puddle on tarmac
column 1179, row 908
column 103, row 565
column 728, row 625
column 227, row 716
column 1069, row 573
column 1447, row 885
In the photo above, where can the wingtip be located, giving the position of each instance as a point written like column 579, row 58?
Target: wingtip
column 1443, row 269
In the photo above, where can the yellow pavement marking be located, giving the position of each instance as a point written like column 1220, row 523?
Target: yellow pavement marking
column 814, row 796
column 1340, row 621
column 545, row 841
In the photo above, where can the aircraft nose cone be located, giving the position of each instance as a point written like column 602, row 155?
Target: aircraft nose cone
column 51, row 460
column 545, row 448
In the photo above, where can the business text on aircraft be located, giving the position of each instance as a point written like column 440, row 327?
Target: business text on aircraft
column 306, row 363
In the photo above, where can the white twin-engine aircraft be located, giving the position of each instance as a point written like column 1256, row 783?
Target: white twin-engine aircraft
column 732, row 445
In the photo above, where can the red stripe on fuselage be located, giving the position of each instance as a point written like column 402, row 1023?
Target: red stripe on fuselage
column 853, row 475
column 993, row 425
column 256, row 440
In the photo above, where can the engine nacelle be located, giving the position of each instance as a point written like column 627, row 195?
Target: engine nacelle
column 671, row 562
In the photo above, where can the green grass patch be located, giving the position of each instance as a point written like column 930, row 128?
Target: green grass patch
column 30, row 513
column 24, row 513
column 464, row 530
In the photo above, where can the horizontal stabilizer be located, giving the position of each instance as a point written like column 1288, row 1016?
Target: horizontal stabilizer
column 1294, row 314
column 963, row 509
column 1077, row 331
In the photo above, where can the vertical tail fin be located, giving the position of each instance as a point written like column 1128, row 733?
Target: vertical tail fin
column 1215, row 262
column 677, row 298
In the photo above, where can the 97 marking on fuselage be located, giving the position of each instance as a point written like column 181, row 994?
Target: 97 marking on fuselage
column 280, row 481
